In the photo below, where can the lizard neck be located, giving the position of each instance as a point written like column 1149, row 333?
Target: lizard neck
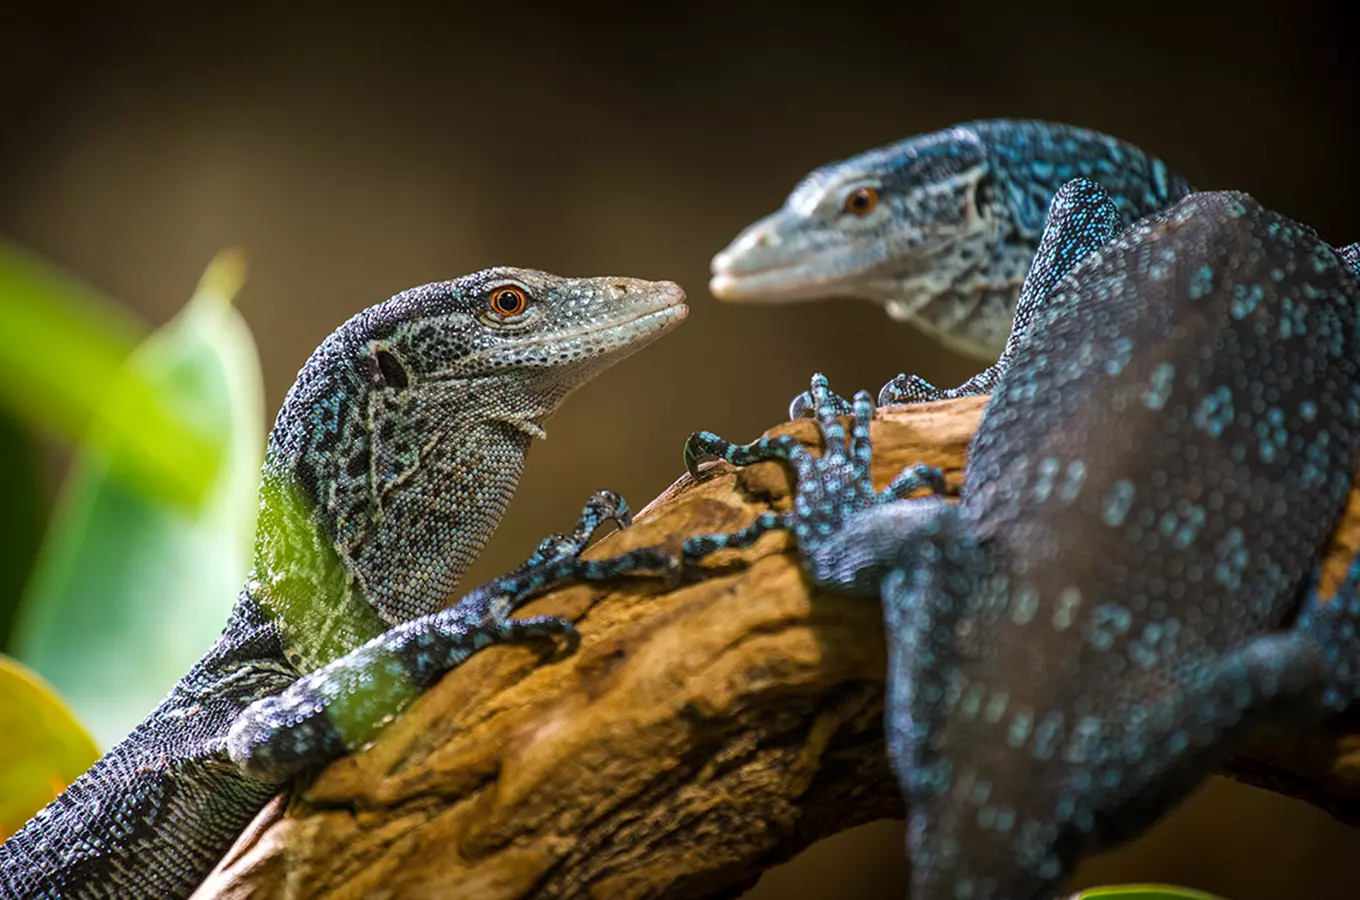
column 404, row 531
column 964, row 296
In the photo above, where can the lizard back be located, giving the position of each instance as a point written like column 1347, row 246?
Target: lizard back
column 1152, row 484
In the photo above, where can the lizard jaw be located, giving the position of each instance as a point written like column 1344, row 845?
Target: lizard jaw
column 830, row 273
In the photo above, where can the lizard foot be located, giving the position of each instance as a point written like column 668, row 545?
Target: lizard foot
column 558, row 558
column 830, row 489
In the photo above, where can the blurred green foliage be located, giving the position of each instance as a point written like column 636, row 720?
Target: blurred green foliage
column 23, row 510
column 150, row 536
column 61, row 369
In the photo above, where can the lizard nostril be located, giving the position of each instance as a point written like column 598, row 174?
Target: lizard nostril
column 621, row 287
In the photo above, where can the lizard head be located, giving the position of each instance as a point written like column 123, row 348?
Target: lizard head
column 864, row 226
column 405, row 432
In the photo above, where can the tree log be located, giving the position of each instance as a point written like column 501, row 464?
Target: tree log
column 701, row 733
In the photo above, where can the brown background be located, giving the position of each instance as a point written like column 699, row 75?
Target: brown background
column 355, row 154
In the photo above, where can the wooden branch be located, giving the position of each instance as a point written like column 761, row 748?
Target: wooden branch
column 697, row 737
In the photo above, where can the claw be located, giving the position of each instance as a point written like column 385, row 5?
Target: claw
column 818, row 400
column 699, row 446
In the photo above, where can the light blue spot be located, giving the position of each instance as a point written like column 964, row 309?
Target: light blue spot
column 1122, row 351
column 1043, row 486
column 1215, row 412
column 1024, row 605
column 1005, row 819
column 1084, row 737
column 1069, row 601
column 1201, row 282
column 1231, row 557
column 996, row 707
column 972, row 700
column 1159, row 178
column 1076, row 476
column 1117, row 502
column 1021, row 723
column 1159, row 386
column 1244, row 299
column 1046, row 734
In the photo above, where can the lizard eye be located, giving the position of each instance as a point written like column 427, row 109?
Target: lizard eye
column 861, row 201
column 509, row 301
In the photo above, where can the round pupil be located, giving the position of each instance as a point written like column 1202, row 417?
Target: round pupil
column 508, row 301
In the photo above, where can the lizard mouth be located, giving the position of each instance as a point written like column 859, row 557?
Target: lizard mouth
column 663, row 310
column 656, row 322
column 810, row 277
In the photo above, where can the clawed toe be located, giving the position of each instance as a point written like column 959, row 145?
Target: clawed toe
column 820, row 402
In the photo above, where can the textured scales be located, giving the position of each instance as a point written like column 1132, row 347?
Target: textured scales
column 391, row 461
column 1127, row 587
column 956, row 218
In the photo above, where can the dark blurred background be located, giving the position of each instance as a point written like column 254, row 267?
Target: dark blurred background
column 357, row 153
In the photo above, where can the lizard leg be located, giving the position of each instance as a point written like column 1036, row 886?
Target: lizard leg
column 343, row 705
column 1288, row 679
column 1081, row 219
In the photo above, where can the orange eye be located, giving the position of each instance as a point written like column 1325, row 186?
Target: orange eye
column 508, row 301
column 861, row 201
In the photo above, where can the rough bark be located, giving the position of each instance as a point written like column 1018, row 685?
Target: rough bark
column 698, row 736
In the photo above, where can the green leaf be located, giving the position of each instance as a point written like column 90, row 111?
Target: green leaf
column 1142, row 892
column 61, row 368
column 44, row 747
column 132, row 585
column 23, row 510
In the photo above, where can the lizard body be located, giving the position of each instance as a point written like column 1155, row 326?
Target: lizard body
column 390, row 463
column 1127, row 587
column 940, row 228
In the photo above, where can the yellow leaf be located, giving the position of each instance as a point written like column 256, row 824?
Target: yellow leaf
column 45, row 748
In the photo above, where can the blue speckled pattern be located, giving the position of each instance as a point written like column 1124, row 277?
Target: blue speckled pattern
column 1127, row 587
column 940, row 228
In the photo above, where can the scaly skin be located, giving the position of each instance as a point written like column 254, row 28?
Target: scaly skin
column 947, row 240
column 390, row 464
column 1127, row 588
